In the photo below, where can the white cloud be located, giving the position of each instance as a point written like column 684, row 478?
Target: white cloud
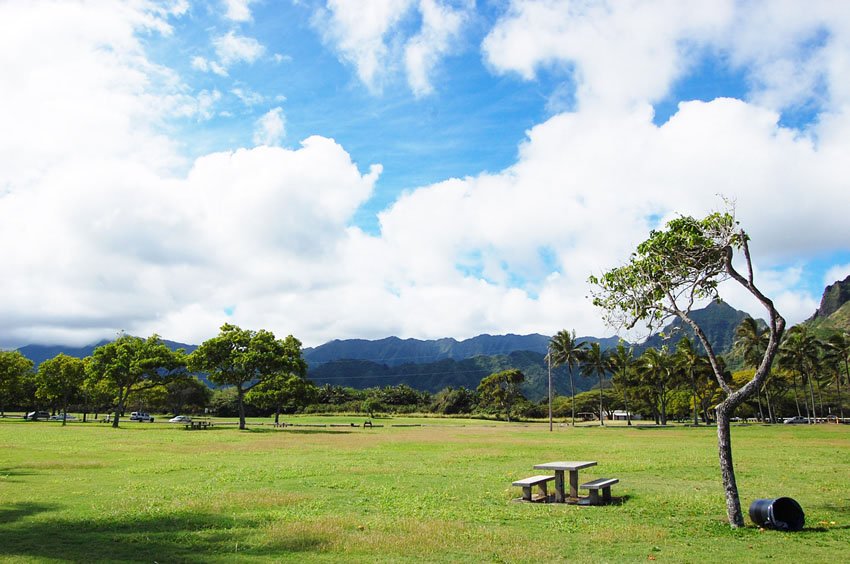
column 238, row 10
column 836, row 273
column 105, row 227
column 633, row 51
column 248, row 97
column 441, row 26
column 232, row 48
column 203, row 65
column 270, row 128
column 374, row 38
column 358, row 31
column 624, row 52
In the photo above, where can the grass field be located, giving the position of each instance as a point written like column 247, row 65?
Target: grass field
column 436, row 492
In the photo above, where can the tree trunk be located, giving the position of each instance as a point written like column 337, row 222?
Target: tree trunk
column 758, row 399
column 277, row 415
column 601, row 414
column 240, row 397
column 119, row 408
column 549, row 359
column 769, row 405
column 626, row 402
column 727, row 470
column 812, row 394
column 796, row 401
column 694, row 398
column 573, row 394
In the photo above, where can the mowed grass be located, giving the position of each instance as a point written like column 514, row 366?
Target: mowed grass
column 435, row 493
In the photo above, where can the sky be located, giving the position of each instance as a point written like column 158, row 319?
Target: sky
column 419, row 168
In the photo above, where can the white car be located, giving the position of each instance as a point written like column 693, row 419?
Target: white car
column 141, row 416
column 59, row 418
column 796, row 420
column 180, row 419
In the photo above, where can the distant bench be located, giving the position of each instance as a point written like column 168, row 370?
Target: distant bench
column 527, row 483
column 192, row 425
column 594, row 486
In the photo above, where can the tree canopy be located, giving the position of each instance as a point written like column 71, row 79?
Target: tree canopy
column 129, row 364
column 244, row 358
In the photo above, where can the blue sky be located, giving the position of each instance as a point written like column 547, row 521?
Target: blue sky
column 420, row 168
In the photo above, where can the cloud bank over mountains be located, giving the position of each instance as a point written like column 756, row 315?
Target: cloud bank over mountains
column 107, row 223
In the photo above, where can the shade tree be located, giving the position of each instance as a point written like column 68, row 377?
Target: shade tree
column 131, row 364
column 244, row 358
column 59, row 380
column 14, row 369
column 675, row 269
column 501, row 390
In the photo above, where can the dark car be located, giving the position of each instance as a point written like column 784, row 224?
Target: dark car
column 36, row 415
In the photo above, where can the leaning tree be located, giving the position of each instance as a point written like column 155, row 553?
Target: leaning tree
column 672, row 271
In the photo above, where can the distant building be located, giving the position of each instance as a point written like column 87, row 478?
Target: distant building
column 620, row 415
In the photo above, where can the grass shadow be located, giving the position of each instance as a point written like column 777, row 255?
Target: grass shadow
column 17, row 511
column 7, row 473
column 181, row 537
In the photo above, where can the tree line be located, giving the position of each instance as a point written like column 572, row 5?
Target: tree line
column 810, row 377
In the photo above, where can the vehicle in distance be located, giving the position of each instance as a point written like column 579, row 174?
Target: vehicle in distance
column 797, row 419
column 36, row 415
column 180, row 419
column 141, row 416
column 59, row 417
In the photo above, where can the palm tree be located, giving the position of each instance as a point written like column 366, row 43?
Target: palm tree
column 751, row 343
column 565, row 350
column 688, row 359
column 799, row 353
column 838, row 353
column 623, row 362
column 596, row 362
column 655, row 368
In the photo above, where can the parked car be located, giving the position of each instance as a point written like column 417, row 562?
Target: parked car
column 36, row 415
column 141, row 416
column 59, row 417
column 180, row 419
column 796, row 420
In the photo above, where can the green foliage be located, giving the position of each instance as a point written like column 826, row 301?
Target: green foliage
column 686, row 261
column 60, row 379
column 131, row 364
column 453, row 401
column 243, row 358
column 500, row 391
column 14, row 369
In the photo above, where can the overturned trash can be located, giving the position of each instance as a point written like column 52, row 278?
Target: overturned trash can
column 782, row 514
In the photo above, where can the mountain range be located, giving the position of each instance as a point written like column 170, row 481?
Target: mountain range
column 432, row 365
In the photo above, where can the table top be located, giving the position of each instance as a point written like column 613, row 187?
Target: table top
column 571, row 465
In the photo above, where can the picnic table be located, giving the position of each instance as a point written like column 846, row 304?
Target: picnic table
column 198, row 424
column 566, row 466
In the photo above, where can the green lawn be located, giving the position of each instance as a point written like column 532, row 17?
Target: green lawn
column 436, row 492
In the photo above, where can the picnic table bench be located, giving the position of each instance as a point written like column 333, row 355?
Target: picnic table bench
column 192, row 425
column 594, row 486
column 527, row 483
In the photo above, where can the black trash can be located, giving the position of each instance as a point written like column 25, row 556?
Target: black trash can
column 782, row 514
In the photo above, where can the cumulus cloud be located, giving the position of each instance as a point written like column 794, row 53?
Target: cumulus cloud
column 372, row 38
column 270, row 128
column 105, row 227
column 632, row 52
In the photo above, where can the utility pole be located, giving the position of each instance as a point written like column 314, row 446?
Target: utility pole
column 549, row 360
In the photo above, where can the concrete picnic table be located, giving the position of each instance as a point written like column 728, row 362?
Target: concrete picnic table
column 566, row 466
